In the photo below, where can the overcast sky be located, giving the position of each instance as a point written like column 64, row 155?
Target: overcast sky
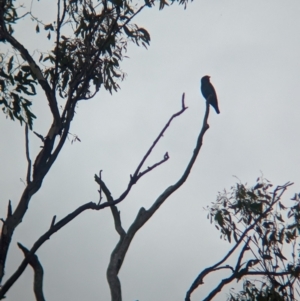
column 251, row 50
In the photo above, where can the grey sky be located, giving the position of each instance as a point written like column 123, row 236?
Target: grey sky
column 251, row 50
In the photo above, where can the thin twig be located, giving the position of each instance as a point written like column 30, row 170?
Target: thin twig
column 137, row 174
column 28, row 176
column 100, row 190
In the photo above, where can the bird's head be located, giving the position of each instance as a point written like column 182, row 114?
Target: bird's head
column 205, row 78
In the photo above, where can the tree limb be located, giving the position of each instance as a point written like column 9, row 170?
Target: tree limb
column 38, row 274
column 137, row 174
column 118, row 254
column 53, row 228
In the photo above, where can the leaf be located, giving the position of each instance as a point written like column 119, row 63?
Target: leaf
column 25, row 68
column 146, row 35
column 256, row 208
column 127, row 31
column 279, row 217
column 279, row 254
column 147, row 2
column 65, row 80
column 267, row 224
column 228, row 233
column 219, row 218
column 254, row 236
column 10, row 64
column 49, row 27
column 235, row 236
column 37, row 28
column 294, row 198
column 258, row 185
column 267, row 257
column 162, row 3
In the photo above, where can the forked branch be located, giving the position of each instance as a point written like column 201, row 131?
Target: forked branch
column 118, row 254
column 38, row 274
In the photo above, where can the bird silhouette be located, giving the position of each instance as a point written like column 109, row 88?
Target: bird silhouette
column 209, row 93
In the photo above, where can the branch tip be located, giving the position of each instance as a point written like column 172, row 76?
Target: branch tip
column 9, row 209
column 53, row 221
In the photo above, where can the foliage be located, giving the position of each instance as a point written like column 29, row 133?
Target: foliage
column 251, row 292
column 257, row 214
column 15, row 83
column 90, row 40
column 262, row 241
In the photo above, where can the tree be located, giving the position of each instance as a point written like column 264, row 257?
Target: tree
column 90, row 40
column 253, row 217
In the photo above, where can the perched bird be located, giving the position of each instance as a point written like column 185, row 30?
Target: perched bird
column 209, row 93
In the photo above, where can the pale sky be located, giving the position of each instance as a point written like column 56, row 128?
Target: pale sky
column 251, row 50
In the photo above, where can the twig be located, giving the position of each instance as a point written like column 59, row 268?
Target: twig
column 137, row 174
column 238, row 263
column 40, row 136
column 9, row 209
column 28, row 176
column 100, row 190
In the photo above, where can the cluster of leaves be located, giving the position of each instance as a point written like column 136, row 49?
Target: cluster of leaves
column 90, row 39
column 14, row 84
column 256, row 214
column 251, row 292
column 91, row 56
column 10, row 16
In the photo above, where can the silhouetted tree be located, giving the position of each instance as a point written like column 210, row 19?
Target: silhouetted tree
column 264, row 243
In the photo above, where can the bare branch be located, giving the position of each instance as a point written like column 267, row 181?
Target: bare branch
column 117, row 220
column 54, row 228
column 100, row 190
column 40, row 136
column 137, row 174
column 118, row 254
column 38, row 273
column 104, row 188
column 115, row 212
column 28, row 176
column 238, row 263
column 9, row 209
column 53, row 221
column 149, row 168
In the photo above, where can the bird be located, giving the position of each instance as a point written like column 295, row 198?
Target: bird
column 209, row 93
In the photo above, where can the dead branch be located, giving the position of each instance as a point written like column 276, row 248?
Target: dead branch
column 138, row 174
column 28, row 176
column 38, row 273
column 53, row 228
column 119, row 252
